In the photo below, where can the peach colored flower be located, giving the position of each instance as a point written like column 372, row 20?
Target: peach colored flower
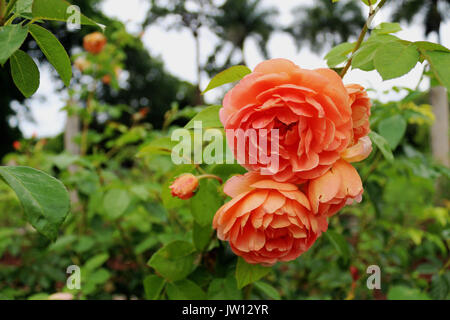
column 360, row 104
column 310, row 108
column 94, row 42
column 82, row 64
column 359, row 151
column 267, row 221
column 184, row 186
column 335, row 189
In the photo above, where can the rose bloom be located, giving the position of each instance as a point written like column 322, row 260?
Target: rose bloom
column 310, row 108
column 340, row 186
column 184, row 186
column 360, row 104
column 94, row 42
column 267, row 221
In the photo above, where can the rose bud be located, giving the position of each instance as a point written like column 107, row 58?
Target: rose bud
column 94, row 42
column 17, row 145
column 184, row 186
column 354, row 272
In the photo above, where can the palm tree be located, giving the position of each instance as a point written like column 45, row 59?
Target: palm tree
column 235, row 22
column 190, row 14
column 326, row 23
column 433, row 14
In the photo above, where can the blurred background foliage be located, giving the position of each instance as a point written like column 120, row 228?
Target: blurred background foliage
column 122, row 211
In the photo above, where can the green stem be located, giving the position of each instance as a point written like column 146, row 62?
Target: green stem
column 10, row 7
column 372, row 14
column 210, row 176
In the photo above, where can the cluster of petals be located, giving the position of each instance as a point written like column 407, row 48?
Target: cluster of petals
column 322, row 127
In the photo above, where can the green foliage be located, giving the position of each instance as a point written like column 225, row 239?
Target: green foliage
column 25, row 73
column 11, row 38
column 44, row 199
column 232, row 74
column 54, row 51
column 248, row 273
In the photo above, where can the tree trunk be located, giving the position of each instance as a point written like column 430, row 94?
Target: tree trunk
column 439, row 129
column 72, row 130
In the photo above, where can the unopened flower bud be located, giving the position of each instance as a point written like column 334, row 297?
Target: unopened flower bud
column 94, row 42
column 184, row 186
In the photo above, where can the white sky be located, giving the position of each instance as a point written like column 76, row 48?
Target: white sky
column 176, row 48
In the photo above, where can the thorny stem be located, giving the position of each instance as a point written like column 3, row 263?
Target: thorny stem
column 372, row 14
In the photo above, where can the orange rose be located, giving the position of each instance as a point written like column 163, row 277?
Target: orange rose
column 310, row 108
column 359, row 151
column 184, row 186
column 360, row 103
column 94, row 42
column 267, row 221
column 336, row 188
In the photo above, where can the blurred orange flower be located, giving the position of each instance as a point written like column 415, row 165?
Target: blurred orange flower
column 94, row 42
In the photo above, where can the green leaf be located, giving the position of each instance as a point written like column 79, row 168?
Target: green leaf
column 393, row 129
column 25, row 73
column 267, row 289
column 248, row 273
column 440, row 65
column 405, row 293
column 116, row 202
column 224, row 289
column 160, row 146
column 44, row 199
column 185, row 290
column 54, row 51
column 372, row 2
column 363, row 57
column 382, row 144
column 23, row 7
column 439, row 287
column 11, row 38
column 201, row 236
column 175, row 261
column 206, row 202
column 430, row 46
column 394, row 59
column 339, row 54
column 153, row 286
column 387, row 27
column 232, row 74
column 209, row 118
column 339, row 243
column 95, row 262
column 57, row 10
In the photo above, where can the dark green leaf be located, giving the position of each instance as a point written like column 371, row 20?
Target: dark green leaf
column 267, row 289
column 44, row 199
column 439, row 287
column 54, row 51
column 116, row 202
column 153, row 286
column 224, row 289
column 185, row 290
column 174, row 261
column 363, row 58
column 248, row 273
column 387, row 27
column 339, row 243
column 232, row 74
column 393, row 129
column 382, row 144
column 11, row 38
column 25, row 73
column 405, row 293
column 57, row 10
column 206, row 202
column 201, row 236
